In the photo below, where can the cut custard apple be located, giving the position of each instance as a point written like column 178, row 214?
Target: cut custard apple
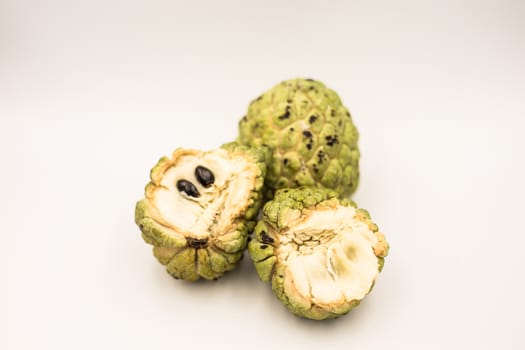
column 200, row 207
column 311, row 133
column 322, row 255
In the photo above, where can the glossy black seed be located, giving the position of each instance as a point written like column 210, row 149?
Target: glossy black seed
column 265, row 238
column 264, row 246
column 312, row 119
column 307, row 134
column 188, row 188
column 204, row 176
column 309, row 146
column 285, row 161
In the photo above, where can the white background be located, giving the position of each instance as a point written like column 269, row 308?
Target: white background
column 92, row 93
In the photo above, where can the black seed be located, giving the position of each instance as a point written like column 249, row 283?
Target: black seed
column 309, row 79
column 347, row 114
column 285, row 161
column 292, row 129
column 285, row 191
column 281, row 276
column 188, row 188
column 204, row 176
column 312, row 119
column 264, row 246
column 307, row 134
column 309, row 146
column 265, row 238
column 244, row 118
column 259, row 98
column 197, row 243
column 286, row 114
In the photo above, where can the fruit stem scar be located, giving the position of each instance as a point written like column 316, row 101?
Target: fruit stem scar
column 197, row 243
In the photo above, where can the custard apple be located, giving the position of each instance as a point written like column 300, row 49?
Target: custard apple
column 311, row 133
column 321, row 254
column 200, row 207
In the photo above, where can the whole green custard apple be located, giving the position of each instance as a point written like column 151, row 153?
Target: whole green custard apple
column 311, row 133
column 321, row 254
column 199, row 208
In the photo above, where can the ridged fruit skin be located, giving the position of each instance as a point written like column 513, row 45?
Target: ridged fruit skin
column 311, row 133
column 221, row 254
column 264, row 247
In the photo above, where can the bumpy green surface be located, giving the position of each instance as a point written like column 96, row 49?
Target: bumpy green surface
column 189, row 259
column 264, row 248
column 312, row 135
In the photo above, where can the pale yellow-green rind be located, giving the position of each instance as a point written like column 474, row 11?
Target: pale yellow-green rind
column 265, row 243
column 222, row 253
column 311, row 133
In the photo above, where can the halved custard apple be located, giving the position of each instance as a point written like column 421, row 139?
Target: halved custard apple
column 321, row 254
column 199, row 208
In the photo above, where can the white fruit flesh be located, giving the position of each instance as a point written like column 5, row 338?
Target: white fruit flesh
column 213, row 212
column 329, row 257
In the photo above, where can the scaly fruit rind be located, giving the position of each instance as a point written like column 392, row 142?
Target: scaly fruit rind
column 311, row 134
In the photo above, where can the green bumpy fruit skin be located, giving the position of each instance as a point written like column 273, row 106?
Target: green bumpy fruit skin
column 263, row 247
column 217, row 257
column 311, row 133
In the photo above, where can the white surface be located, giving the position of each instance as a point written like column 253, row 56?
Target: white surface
column 92, row 93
